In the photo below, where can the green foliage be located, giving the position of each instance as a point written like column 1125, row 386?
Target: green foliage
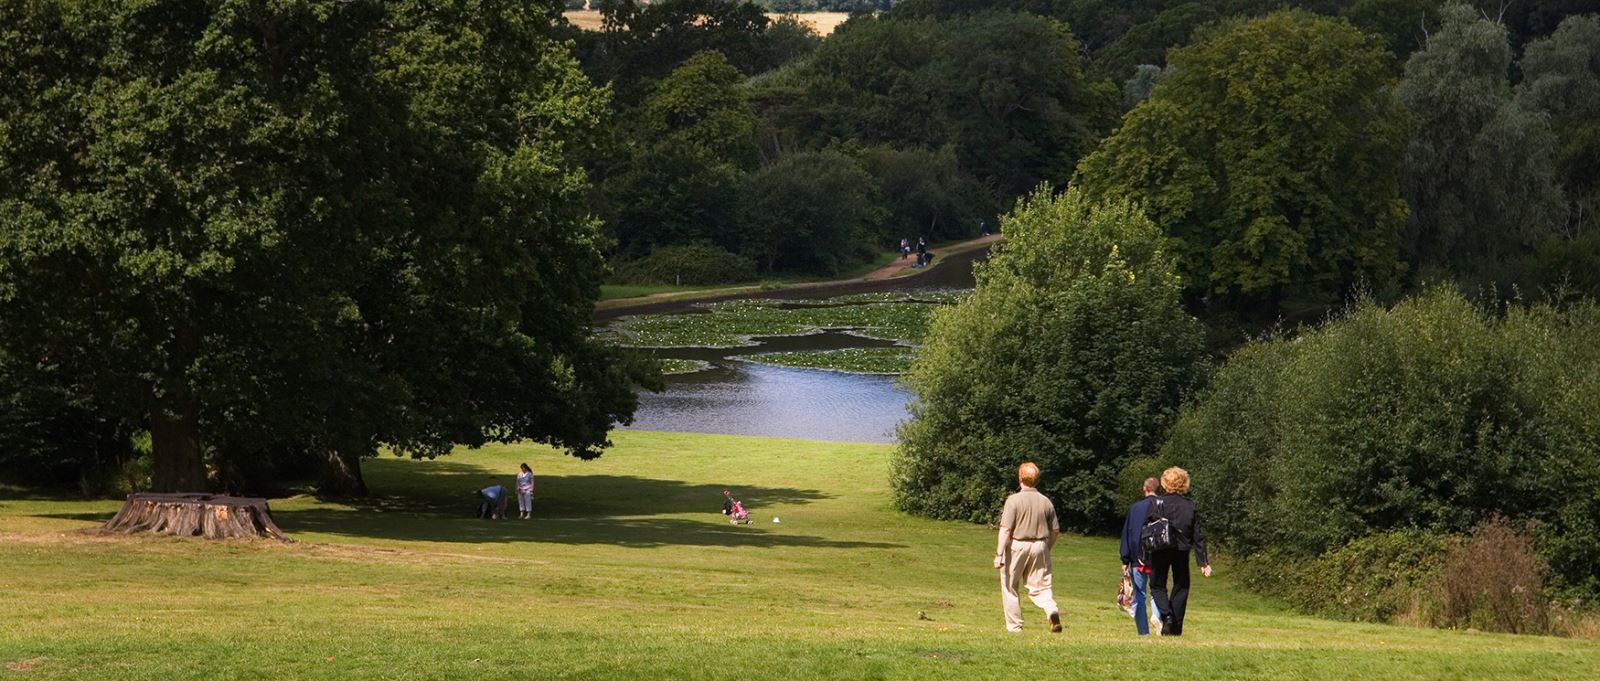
column 1403, row 25
column 849, row 360
column 1561, row 77
column 643, row 42
column 1430, row 415
column 304, row 226
column 693, row 143
column 735, row 323
column 811, row 212
column 1562, row 268
column 1137, row 88
column 1005, row 89
column 1148, row 42
column 1478, row 170
column 789, row 38
column 1073, row 352
column 688, row 264
column 1266, row 153
column 925, row 194
column 1387, row 577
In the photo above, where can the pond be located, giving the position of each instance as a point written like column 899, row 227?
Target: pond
column 739, row 397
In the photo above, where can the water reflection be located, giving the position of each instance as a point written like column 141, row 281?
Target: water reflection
column 741, row 398
column 736, row 397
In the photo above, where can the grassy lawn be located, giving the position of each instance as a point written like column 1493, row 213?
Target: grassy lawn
column 629, row 572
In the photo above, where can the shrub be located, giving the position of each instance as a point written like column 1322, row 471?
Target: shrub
column 1495, row 581
column 1429, row 415
column 1381, row 578
column 687, row 264
column 1073, row 352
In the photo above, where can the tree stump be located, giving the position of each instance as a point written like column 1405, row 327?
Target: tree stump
column 196, row 515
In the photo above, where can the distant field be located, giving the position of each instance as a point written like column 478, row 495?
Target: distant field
column 824, row 22
column 629, row 572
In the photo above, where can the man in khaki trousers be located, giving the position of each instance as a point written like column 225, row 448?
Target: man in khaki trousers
column 1028, row 530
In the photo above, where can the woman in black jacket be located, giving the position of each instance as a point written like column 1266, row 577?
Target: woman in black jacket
column 1184, row 523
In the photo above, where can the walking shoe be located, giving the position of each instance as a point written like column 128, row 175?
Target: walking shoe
column 1055, row 622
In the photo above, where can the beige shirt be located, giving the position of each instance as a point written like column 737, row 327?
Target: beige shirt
column 1030, row 515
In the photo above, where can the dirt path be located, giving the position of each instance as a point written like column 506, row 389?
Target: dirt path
column 902, row 266
column 889, row 275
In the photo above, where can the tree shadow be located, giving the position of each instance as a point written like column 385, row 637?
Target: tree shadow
column 441, row 503
column 626, row 532
column 450, row 488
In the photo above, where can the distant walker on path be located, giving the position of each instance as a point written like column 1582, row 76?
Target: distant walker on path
column 1028, row 530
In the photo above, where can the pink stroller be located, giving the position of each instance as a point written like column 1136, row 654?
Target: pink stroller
column 739, row 515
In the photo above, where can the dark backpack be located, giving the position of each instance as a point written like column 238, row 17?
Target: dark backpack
column 1156, row 536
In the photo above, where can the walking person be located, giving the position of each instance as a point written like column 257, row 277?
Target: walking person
column 1028, row 530
column 1184, row 529
column 905, row 248
column 1133, row 559
column 525, row 492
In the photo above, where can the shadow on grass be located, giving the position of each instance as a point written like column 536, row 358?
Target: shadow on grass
column 628, row 532
column 437, row 500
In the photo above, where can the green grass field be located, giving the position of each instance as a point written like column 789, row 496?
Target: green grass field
column 630, row 572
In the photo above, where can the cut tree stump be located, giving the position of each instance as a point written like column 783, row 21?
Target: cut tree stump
column 196, row 515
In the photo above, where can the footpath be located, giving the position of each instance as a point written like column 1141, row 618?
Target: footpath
column 894, row 272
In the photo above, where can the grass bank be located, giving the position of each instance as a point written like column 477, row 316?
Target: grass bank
column 629, row 572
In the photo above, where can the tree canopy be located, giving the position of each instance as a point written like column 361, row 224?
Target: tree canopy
column 1478, row 171
column 1073, row 352
column 304, row 226
column 1266, row 151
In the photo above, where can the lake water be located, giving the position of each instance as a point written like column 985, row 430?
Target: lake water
column 742, row 398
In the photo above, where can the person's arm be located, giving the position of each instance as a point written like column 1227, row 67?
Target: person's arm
column 1054, row 533
column 1003, row 549
column 1200, row 547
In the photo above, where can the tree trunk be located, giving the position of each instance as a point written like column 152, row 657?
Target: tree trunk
column 175, row 448
column 196, row 515
column 342, row 476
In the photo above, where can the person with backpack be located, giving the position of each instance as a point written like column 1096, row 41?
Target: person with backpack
column 1134, row 566
column 1171, row 532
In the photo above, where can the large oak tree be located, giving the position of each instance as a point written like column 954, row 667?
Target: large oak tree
column 306, row 225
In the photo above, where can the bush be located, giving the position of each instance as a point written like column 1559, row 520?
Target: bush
column 1495, row 581
column 1073, row 352
column 689, row 264
column 1382, row 578
column 1430, row 415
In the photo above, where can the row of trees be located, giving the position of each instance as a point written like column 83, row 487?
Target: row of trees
column 1281, row 152
column 914, row 127
column 267, row 233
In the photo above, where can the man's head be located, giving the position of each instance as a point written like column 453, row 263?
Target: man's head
column 1175, row 480
column 1028, row 474
column 1151, row 486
